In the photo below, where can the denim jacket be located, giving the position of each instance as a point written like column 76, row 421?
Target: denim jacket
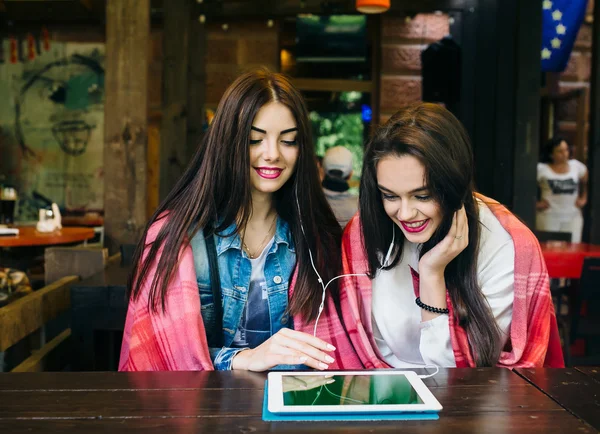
column 234, row 271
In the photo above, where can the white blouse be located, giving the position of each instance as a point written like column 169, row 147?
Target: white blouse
column 403, row 339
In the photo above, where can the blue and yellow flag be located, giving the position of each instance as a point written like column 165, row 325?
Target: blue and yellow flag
column 560, row 23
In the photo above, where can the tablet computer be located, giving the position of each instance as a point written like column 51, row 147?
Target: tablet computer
column 349, row 392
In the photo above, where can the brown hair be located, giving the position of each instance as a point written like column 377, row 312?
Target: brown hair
column 215, row 190
column 437, row 139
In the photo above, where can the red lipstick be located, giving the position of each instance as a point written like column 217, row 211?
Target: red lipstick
column 417, row 229
column 268, row 172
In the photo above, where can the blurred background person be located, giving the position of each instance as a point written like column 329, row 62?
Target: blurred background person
column 337, row 164
column 563, row 190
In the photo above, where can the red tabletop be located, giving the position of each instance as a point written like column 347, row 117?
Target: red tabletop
column 29, row 236
column 566, row 259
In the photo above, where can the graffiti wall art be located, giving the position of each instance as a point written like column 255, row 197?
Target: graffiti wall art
column 52, row 125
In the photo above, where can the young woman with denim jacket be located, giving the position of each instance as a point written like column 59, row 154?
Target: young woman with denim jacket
column 254, row 187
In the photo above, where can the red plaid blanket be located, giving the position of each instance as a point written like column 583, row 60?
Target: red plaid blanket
column 176, row 339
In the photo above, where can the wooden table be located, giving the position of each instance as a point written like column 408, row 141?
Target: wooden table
column 490, row 400
column 575, row 389
column 566, row 259
column 29, row 236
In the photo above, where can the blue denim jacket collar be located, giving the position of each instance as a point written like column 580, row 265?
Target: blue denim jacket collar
column 230, row 240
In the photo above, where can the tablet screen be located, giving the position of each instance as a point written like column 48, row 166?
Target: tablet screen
column 348, row 390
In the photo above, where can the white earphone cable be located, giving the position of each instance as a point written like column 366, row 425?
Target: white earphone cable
column 320, row 279
column 437, row 369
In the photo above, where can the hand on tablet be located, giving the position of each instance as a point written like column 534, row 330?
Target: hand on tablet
column 286, row 347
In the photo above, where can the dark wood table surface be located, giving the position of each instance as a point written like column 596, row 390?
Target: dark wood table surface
column 576, row 389
column 490, row 400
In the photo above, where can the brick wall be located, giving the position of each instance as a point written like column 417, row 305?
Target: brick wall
column 577, row 76
column 244, row 45
column 402, row 41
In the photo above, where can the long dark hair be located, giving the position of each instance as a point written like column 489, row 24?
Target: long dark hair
column 215, row 190
column 549, row 148
column 437, row 139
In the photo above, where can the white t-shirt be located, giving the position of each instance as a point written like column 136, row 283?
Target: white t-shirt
column 402, row 338
column 560, row 189
column 255, row 323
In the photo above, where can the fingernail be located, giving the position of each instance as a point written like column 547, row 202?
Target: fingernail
column 330, row 347
column 330, row 381
column 328, row 375
column 329, row 359
column 323, row 365
column 303, row 359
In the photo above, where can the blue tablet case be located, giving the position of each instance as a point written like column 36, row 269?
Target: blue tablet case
column 267, row 416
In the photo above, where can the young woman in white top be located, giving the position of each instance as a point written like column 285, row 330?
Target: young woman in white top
column 440, row 258
column 563, row 187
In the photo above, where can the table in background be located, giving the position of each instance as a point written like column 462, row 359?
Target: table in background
column 566, row 259
column 576, row 389
column 475, row 400
column 26, row 250
column 29, row 237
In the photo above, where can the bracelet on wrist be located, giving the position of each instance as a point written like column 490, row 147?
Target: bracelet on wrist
column 431, row 308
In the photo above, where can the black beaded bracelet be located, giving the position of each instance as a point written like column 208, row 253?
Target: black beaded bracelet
column 430, row 308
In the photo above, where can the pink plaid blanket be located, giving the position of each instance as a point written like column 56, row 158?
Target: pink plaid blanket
column 176, row 339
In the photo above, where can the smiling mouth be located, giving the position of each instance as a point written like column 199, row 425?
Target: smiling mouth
column 414, row 227
column 268, row 173
column 72, row 136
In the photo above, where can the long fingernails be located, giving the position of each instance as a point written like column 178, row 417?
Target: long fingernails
column 303, row 359
column 323, row 365
column 330, row 347
column 329, row 359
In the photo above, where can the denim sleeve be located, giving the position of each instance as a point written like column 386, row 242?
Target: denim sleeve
column 222, row 357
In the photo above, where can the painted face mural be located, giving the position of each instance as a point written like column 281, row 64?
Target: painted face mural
column 52, row 127
column 68, row 89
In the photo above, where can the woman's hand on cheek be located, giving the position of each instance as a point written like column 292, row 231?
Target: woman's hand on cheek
column 435, row 261
column 286, row 347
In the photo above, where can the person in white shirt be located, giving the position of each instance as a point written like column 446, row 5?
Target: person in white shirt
column 337, row 165
column 432, row 243
column 563, row 190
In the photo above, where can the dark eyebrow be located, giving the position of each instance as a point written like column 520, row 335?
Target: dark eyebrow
column 289, row 130
column 416, row 190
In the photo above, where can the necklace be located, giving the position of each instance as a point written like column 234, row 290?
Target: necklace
column 262, row 244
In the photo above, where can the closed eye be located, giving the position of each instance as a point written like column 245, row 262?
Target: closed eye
column 289, row 142
column 423, row 197
column 388, row 196
column 255, row 142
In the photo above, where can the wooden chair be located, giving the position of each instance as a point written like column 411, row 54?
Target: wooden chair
column 82, row 261
column 127, row 251
column 28, row 316
column 98, row 311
